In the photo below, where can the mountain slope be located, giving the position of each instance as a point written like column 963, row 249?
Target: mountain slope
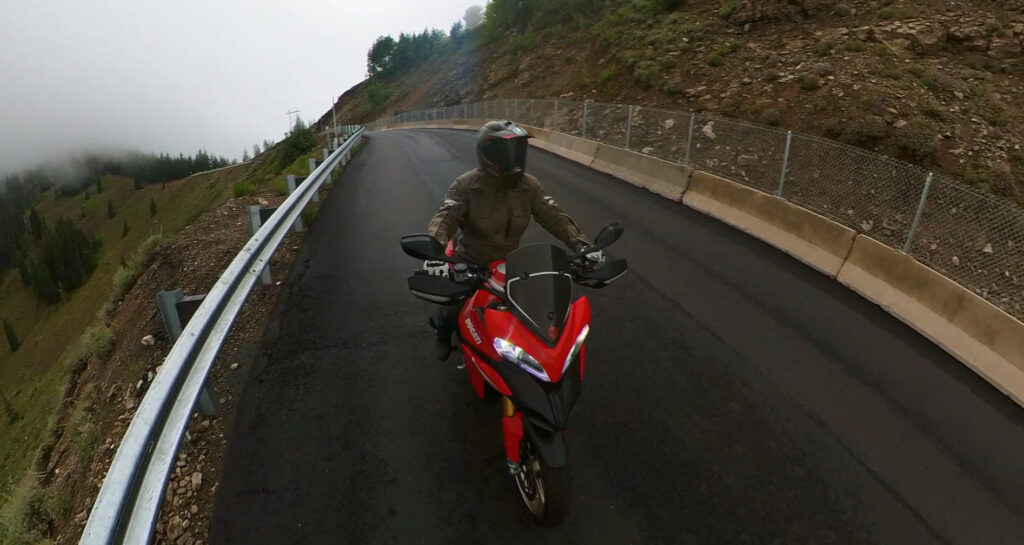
column 936, row 83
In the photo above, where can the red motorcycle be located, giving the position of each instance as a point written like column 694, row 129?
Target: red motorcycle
column 522, row 335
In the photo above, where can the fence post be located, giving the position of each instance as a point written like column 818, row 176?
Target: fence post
column 785, row 164
column 920, row 212
column 586, row 103
column 629, row 125
column 689, row 138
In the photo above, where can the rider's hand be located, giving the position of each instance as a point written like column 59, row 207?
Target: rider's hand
column 436, row 268
column 595, row 259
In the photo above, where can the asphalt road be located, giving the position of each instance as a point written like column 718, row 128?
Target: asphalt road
column 733, row 395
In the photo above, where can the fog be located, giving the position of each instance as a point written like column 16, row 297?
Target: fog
column 179, row 76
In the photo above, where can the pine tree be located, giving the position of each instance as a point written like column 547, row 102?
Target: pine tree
column 152, row 207
column 25, row 272
column 12, row 337
column 99, row 184
column 111, row 212
column 36, row 224
column 124, row 232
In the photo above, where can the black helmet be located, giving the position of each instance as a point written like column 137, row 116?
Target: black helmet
column 501, row 149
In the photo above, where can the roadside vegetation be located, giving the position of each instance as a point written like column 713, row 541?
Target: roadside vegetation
column 71, row 257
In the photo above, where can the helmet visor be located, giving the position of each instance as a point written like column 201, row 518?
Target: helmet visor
column 507, row 152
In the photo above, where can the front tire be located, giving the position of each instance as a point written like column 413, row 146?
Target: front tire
column 545, row 490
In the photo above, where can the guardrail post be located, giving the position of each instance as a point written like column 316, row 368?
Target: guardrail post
column 175, row 312
column 689, row 138
column 298, row 227
column 629, row 125
column 255, row 221
column 586, row 103
column 785, row 164
column 920, row 212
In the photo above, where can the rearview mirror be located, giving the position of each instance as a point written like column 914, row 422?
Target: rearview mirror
column 424, row 247
column 608, row 235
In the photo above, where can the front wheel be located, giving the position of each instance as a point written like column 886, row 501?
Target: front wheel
column 545, row 490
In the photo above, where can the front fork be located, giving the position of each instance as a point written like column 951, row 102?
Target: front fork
column 512, row 425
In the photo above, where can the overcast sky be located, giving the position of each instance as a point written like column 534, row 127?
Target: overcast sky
column 178, row 75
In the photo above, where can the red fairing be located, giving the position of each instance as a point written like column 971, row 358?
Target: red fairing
column 504, row 325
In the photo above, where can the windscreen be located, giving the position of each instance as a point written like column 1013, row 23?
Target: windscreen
column 540, row 288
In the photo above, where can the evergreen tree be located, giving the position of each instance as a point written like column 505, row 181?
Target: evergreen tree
column 152, row 207
column 99, row 184
column 12, row 337
column 125, row 230
column 36, row 223
column 111, row 212
column 245, row 155
column 25, row 272
column 255, row 150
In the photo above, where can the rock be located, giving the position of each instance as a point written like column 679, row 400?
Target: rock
column 746, row 160
column 647, row 151
column 174, row 528
column 900, row 124
column 194, row 509
column 148, row 340
column 823, row 69
column 988, row 248
column 263, row 202
column 956, row 261
column 709, row 130
column 197, row 480
column 669, row 123
column 129, row 403
column 1004, row 48
column 234, row 366
column 186, row 524
column 867, row 225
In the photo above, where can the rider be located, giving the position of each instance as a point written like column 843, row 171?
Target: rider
column 492, row 206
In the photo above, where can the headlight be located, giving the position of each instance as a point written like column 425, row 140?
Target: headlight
column 576, row 347
column 519, row 357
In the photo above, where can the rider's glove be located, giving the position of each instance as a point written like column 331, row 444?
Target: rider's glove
column 595, row 258
column 436, row 268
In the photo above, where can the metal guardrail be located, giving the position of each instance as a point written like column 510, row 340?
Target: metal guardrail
column 972, row 237
column 128, row 503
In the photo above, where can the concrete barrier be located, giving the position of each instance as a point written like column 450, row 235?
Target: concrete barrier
column 669, row 180
column 819, row 242
column 976, row 332
column 573, row 148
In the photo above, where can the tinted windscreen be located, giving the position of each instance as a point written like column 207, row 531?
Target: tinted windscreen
column 540, row 288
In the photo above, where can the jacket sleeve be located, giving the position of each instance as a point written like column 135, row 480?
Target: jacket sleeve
column 449, row 216
column 551, row 217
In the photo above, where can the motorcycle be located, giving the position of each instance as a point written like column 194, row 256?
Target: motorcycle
column 522, row 336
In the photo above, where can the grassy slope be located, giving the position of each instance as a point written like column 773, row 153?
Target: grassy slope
column 33, row 378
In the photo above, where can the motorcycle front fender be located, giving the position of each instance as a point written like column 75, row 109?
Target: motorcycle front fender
column 551, row 447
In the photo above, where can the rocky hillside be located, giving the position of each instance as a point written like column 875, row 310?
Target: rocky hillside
column 934, row 82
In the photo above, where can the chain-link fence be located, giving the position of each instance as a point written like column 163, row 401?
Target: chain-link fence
column 974, row 238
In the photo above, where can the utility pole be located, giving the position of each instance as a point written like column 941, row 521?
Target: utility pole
column 334, row 113
column 290, row 123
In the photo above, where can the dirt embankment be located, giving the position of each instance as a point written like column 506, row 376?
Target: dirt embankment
column 107, row 391
column 935, row 82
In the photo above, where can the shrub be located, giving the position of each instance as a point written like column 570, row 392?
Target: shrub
column 933, row 110
column 810, row 82
column 668, row 5
column 716, row 60
column 605, row 78
column 129, row 271
column 863, row 130
column 916, row 140
column 280, row 185
column 728, row 8
column 646, row 72
column 242, row 188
